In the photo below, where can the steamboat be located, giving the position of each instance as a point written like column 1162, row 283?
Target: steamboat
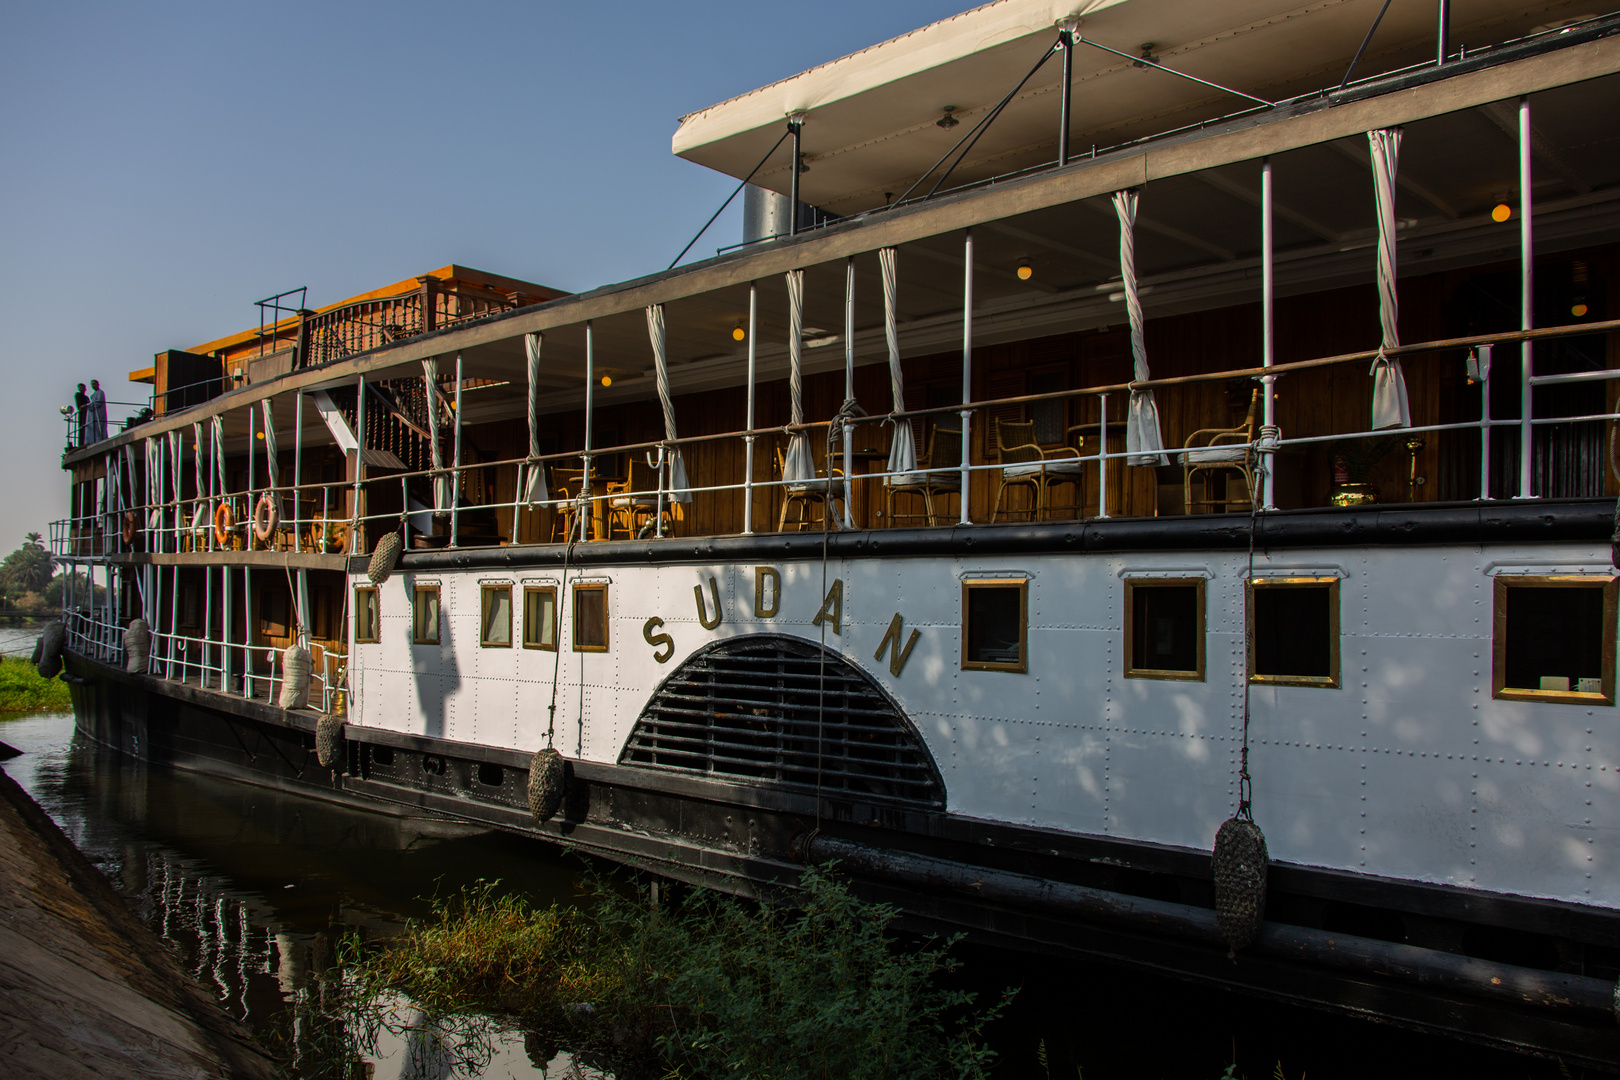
column 1117, row 422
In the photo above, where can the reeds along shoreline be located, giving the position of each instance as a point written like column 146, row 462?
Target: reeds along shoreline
column 22, row 690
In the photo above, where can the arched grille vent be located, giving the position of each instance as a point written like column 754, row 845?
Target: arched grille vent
column 746, row 709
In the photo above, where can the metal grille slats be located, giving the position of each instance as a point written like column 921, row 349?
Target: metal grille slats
column 747, row 709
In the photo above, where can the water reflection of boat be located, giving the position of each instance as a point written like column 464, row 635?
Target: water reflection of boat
column 1033, row 729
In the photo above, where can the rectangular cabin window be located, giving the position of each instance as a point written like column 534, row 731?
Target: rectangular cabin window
column 425, row 615
column 1294, row 631
column 496, row 620
column 590, row 618
column 1553, row 638
column 367, row 626
column 273, row 612
column 995, row 625
column 540, row 617
column 1164, row 628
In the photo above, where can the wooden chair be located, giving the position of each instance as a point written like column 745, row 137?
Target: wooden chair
column 566, row 485
column 633, row 504
column 807, row 494
column 944, row 449
column 1025, row 463
column 1208, row 451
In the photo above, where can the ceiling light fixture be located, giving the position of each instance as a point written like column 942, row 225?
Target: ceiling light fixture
column 607, row 380
column 948, row 121
column 1147, row 54
column 1025, row 271
column 738, row 334
column 1501, row 212
column 1578, row 310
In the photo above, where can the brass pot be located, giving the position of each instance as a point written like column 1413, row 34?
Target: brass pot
column 1357, row 494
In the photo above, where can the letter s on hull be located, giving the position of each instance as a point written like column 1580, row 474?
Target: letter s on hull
column 658, row 641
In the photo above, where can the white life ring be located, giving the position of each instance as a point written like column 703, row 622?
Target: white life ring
column 265, row 518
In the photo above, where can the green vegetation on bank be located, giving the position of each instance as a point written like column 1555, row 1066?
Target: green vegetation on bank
column 22, row 690
column 702, row 987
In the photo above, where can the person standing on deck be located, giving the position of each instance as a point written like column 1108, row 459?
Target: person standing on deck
column 81, row 414
column 98, row 412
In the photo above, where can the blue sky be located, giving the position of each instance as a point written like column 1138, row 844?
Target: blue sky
column 164, row 165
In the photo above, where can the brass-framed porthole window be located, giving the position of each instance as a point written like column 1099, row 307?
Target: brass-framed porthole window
column 540, row 617
column 1553, row 638
column 425, row 615
column 1294, row 631
column 495, row 616
column 367, row 620
column 995, row 624
column 1165, row 628
column 591, row 616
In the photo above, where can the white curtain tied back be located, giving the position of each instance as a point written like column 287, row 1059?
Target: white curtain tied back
column 903, row 449
column 441, row 483
column 1143, row 443
column 219, row 456
column 798, row 467
column 1390, row 408
column 532, row 479
column 272, row 465
column 677, row 484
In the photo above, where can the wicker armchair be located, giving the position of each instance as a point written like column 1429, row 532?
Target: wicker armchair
column 944, row 449
column 1210, row 451
column 806, row 494
column 1025, row 463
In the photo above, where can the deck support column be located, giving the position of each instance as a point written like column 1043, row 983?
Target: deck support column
column 298, row 468
column 967, row 371
column 1526, row 308
column 455, row 487
column 748, row 440
column 846, row 428
column 357, row 543
column 1268, row 289
column 586, row 507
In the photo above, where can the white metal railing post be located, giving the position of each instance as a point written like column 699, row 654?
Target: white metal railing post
column 748, row 439
column 1526, row 308
column 584, row 501
column 849, row 388
column 359, row 465
column 1485, row 423
column 247, row 628
column 1102, row 455
column 455, row 486
column 298, row 469
column 967, row 372
column 1268, row 410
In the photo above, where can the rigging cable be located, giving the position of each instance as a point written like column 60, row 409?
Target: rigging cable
column 733, row 195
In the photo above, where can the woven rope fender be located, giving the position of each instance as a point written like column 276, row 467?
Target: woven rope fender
column 329, row 741
column 545, row 784
column 384, row 557
column 137, row 645
column 50, row 650
column 1239, row 863
column 294, row 677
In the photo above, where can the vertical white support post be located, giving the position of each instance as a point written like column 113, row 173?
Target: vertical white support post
column 174, row 623
column 455, row 487
column 207, row 635
column 967, row 370
column 227, row 654
column 247, row 631
column 748, row 440
column 1268, row 291
column 849, row 385
column 585, row 505
column 298, row 470
column 359, row 466
column 1485, row 425
column 1526, row 307
column 1102, row 455
column 252, row 476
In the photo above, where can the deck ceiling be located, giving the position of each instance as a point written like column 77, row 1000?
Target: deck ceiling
column 871, row 129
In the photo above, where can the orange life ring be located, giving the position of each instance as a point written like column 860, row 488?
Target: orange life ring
column 265, row 518
column 128, row 531
column 224, row 523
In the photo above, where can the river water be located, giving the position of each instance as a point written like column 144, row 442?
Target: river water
column 253, row 888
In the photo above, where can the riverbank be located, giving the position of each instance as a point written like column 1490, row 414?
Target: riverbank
column 22, row 690
column 86, row 990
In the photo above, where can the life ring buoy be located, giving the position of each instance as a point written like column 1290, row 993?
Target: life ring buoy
column 224, row 523
column 130, row 526
column 265, row 518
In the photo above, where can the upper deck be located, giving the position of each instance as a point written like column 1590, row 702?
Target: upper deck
column 1255, row 247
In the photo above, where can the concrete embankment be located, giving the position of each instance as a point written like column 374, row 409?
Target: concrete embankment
column 86, row 990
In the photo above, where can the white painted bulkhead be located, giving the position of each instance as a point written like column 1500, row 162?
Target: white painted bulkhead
column 1409, row 769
